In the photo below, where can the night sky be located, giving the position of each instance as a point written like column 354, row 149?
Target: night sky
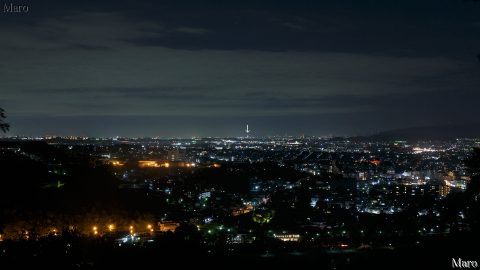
column 207, row 68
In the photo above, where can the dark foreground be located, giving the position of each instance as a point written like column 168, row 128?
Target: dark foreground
column 433, row 253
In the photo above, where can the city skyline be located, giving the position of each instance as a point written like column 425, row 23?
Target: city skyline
column 205, row 69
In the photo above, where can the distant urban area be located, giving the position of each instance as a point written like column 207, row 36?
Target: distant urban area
column 258, row 198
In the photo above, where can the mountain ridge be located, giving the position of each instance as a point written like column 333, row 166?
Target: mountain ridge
column 423, row 133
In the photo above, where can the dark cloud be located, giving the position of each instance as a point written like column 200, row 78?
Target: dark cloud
column 207, row 67
column 88, row 47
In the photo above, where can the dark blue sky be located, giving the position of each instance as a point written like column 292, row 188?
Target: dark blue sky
column 207, row 68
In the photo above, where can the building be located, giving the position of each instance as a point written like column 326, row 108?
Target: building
column 286, row 237
column 168, row 226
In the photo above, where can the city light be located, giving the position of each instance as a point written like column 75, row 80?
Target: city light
column 116, row 163
column 419, row 150
column 287, row 237
column 148, row 164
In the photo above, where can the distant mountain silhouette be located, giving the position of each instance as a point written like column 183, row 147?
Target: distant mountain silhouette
column 439, row 132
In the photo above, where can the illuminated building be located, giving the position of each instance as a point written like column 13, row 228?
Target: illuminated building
column 375, row 162
column 116, row 163
column 168, row 226
column 313, row 201
column 148, row 164
column 204, row 195
column 460, row 184
column 362, row 176
column 444, row 190
column 239, row 239
column 242, row 210
column 152, row 164
column 176, row 155
column 287, row 237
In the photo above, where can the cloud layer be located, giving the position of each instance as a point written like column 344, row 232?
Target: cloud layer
column 316, row 71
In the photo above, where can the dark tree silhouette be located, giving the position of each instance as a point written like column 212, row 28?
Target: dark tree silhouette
column 3, row 126
column 472, row 194
column 473, row 167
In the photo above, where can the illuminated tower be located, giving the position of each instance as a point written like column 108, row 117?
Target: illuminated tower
column 247, row 131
